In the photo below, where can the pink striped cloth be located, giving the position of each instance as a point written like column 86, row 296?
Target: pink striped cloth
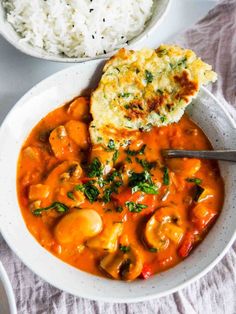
column 214, row 39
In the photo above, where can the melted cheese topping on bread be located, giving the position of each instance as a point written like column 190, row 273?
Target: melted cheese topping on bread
column 141, row 89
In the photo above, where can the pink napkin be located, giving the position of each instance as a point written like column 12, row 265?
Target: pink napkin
column 214, row 39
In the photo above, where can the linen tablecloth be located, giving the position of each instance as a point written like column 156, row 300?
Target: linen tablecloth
column 214, row 39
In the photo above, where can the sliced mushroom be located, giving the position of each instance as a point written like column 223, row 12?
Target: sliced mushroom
column 107, row 239
column 162, row 228
column 78, row 226
column 66, row 171
column 125, row 266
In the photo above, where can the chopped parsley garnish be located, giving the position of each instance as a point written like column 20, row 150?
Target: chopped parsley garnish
column 59, row 207
column 145, row 164
column 159, row 91
column 99, row 139
column 111, row 145
column 194, row 180
column 124, row 248
column 89, row 190
column 182, row 62
column 142, row 182
column 166, row 177
column 113, row 188
column 136, row 152
column 148, row 76
column 107, row 195
column 119, row 209
column 111, row 176
column 70, row 195
column 127, row 106
column 129, row 160
column 94, row 168
column 153, row 249
column 134, row 207
column 163, row 118
column 124, row 95
column 115, row 156
column 148, row 188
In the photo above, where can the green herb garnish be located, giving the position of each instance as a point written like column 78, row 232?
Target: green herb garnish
column 111, row 145
column 119, row 209
column 166, row 177
column 182, row 62
column 95, row 168
column 107, row 195
column 194, row 180
column 145, row 164
column 115, row 156
column 89, row 190
column 111, row 176
column 124, row 95
column 129, row 160
column 148, row 76
column 142, row 182
column 70, row 195
column 153, row 249
column 163, row 118
column 148, row 188
column 59, row 207
column 124, row 248
column 134, row 207
column 135, row 152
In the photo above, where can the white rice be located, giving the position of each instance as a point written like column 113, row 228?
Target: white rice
column 78, row 28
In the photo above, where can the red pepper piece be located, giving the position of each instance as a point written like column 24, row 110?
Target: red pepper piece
column 146, row 272
column 187, row 244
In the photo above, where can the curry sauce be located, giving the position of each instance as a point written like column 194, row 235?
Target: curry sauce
column 122, row 213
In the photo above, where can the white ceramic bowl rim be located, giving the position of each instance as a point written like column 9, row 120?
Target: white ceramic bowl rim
column 48, row 95
column 6, row 30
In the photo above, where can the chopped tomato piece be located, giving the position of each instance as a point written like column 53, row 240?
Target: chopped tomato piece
column 150, row 201
column 187, row 244
column 146, row 272
column 137, row 197
column 126, row 195
column 85, row 179
column 202, row 216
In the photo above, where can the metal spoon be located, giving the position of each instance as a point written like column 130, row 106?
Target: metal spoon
column 226, row 155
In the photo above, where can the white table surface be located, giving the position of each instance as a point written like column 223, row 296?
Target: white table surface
column 19, row 72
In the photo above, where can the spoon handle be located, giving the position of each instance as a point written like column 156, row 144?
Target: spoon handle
column 226, row 155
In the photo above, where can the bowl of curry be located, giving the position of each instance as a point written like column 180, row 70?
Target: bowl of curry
column 81, row 215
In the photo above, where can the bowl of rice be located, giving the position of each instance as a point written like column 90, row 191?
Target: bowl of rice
column 78, row 30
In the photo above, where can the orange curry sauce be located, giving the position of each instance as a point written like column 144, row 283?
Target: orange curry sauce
column 189, row 192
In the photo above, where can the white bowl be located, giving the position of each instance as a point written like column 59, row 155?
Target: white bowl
column 206, row 111
column 8, row 32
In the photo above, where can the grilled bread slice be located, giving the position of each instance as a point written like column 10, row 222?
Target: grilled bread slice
column 141, row 89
